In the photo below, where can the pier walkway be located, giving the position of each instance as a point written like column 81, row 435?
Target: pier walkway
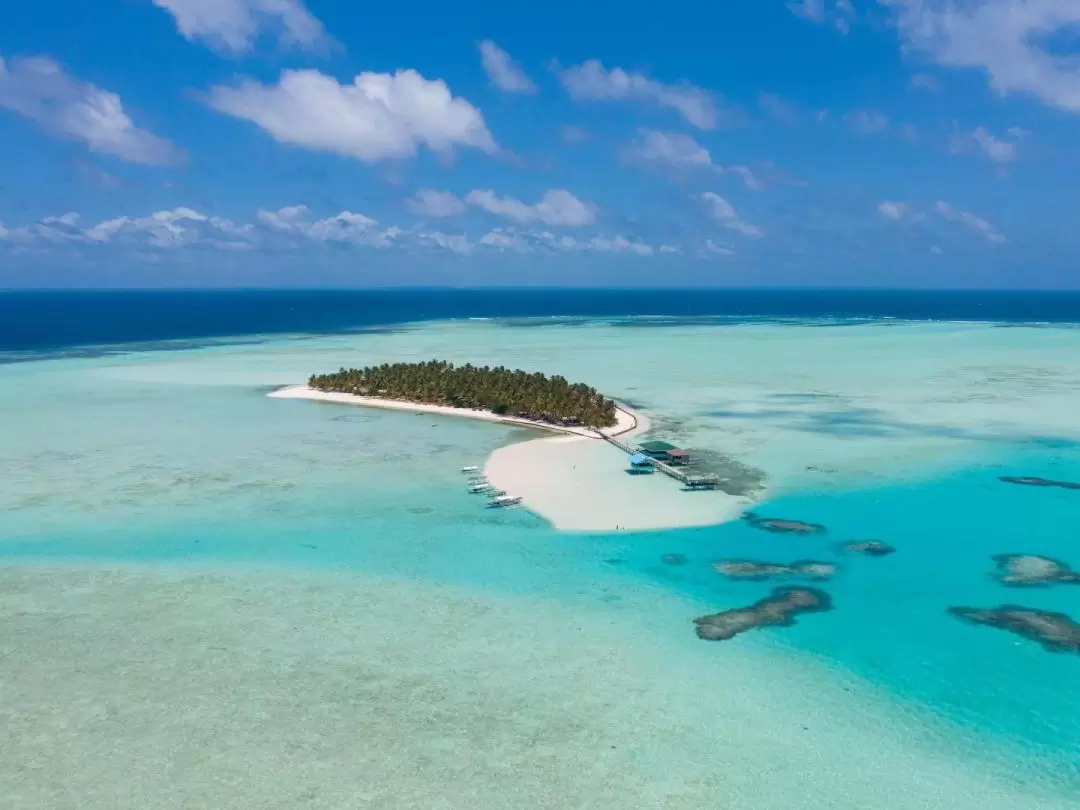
column 691, row 480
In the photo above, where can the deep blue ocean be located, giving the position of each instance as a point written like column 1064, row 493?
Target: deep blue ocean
column 43, row 321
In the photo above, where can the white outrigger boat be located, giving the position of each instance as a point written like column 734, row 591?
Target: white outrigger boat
column 470, row 469
column 483, row 486
column 501, row 501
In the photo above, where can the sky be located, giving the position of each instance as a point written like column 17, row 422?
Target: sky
column 322, row 143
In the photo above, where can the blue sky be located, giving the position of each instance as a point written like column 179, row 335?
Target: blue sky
column 898, row 143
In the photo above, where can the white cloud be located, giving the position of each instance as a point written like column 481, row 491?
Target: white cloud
column 428, row 202
column 175, row 228
column 678, row 151
column 671, row 148
column 376, row 117
column 723, row 212
column 235, row 25
column 591, row 81
column 455, row 243
column 289, row 218
column 867, row 122
column 719, row 250
column 556, row 207
column 505, row 240
column 502, row 71
column 995, row 149
column 978, row 224
column 1011, row 40
column 840, row 13
column 748, row 178
column 617, row 244
column 898, row 211
column 39, row 89
column 893, row 210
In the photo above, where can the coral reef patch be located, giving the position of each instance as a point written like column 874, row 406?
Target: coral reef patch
column 779, row 609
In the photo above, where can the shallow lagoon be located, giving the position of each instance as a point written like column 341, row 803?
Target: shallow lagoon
column 176, row 461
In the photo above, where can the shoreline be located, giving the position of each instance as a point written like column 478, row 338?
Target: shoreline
column 628, row 421
column 573, row 480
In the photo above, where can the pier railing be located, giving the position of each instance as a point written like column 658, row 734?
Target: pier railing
column 687, row 479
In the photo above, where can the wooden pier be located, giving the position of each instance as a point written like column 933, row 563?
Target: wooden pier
column 689, row 480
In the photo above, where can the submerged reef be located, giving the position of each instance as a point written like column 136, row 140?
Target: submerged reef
column 781, row 525
column 1032, row 571
column 755, row 570
column 1033, row 481
column 1057, row 632
column 777, row 610
column 869, row 548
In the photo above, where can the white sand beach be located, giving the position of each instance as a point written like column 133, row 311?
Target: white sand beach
column 575, row 481
column 626, row 420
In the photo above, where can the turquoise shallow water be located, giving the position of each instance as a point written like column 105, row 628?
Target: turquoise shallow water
column 178, row 458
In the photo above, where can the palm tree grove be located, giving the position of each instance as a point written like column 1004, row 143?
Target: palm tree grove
column 500, row 390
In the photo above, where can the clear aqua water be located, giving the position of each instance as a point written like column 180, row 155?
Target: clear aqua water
column 176, row 456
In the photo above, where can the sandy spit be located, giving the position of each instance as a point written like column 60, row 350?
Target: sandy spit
column 575, row 481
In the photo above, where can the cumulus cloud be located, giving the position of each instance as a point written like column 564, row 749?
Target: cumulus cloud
column 377, row 117
column 455, row 243
column 671, row 148
column 892, row 210
column 674, row 150
column 718, row 250
column 39, row 89
column 294, row 228
column 724, row 212
column 173, row 228
column 977, row 224
column 235, row 25
column 502, row 71
column 346, row 226
column 556, row 207
column 591, row 81
column 428, row 202
column 1011, row 41
column 996, row 150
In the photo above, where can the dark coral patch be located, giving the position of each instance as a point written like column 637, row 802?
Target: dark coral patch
column 1034, row 481
column 868, row 548
column 1057, row 632
column 777, row 610
column 782, row 525
column 756, row 570
column 1032, row 571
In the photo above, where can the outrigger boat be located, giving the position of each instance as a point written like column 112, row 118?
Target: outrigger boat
column 503, row 501
column 470, row 469
column 482, row 487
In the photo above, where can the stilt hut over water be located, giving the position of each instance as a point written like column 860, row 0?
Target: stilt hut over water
column 665, row 452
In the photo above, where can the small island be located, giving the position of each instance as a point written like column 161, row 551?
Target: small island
column 756, row 571
column 1033, row 571
column 498, row 390
column 777, row 610
column 1057, row 632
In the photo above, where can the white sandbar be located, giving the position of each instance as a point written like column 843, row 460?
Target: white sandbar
column 575, row 481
